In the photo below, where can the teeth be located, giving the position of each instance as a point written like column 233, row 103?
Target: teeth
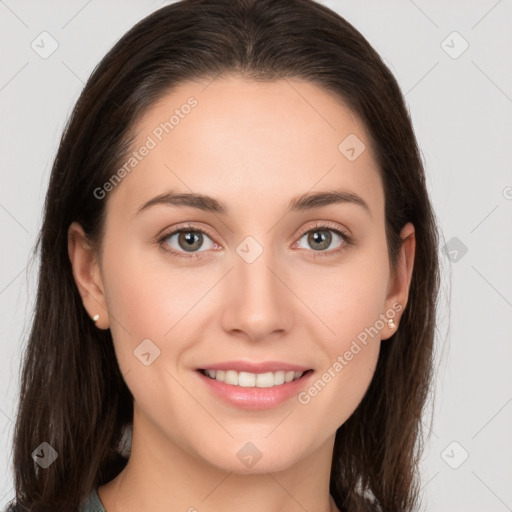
column 251, row 380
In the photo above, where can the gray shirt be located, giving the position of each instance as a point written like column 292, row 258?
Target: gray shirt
column 93, row 504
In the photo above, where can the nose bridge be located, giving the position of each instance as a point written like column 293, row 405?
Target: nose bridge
column 258, row 303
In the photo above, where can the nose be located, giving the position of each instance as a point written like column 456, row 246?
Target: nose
column 257, row 304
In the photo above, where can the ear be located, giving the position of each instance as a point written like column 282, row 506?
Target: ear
column 398, row 289
column 87, row 275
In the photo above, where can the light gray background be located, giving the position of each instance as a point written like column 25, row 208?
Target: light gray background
column 462, row 114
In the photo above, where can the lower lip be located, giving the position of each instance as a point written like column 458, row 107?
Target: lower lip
column 256, row 398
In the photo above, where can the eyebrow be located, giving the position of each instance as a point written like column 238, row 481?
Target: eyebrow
column 304, row 202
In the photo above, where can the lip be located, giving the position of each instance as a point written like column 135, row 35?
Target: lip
column 254, row 367
column 255, row 398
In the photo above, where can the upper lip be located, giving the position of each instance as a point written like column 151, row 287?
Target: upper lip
column 255, row 367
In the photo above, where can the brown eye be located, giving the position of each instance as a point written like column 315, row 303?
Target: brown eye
column 183, row 241
column 320, row 239
column 190, row 240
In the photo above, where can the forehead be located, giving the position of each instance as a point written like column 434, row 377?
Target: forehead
column 228, row 136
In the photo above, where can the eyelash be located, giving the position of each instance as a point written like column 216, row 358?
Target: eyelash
column 320, row 226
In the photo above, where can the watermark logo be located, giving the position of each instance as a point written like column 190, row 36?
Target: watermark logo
column 249, row 249
column 454, row 45
column 454, row 455
column 455, row 249
column 44, row 45
column 249, row 454
column 351, row 147
column 146, row 352
column 45, row 455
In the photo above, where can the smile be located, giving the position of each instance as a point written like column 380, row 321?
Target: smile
column 250, row 380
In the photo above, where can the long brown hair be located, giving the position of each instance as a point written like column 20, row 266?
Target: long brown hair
column 72, row 393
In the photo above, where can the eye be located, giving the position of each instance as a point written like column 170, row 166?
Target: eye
column 185, row 242
column 321, row 238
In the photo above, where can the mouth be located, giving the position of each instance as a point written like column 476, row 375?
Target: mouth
column 255, row 391
column 255, row 380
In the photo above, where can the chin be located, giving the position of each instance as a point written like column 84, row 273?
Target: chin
column 254, row 457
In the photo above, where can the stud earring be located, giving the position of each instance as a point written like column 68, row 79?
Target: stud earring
column 95, row 318
column 391, row 323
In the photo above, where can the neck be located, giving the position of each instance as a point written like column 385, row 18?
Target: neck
column 173, row 479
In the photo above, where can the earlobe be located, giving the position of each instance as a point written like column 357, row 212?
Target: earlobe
column 398, row 293
column 87, row 275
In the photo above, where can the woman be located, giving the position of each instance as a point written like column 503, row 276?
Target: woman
column 238, row 279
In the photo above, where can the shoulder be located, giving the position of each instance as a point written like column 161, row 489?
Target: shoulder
column 92, row 504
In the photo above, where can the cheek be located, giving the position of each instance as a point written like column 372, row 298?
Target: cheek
column 151, row 299
column 352, row 307
column 146, row 293
column 349, row 297
column 350, row 300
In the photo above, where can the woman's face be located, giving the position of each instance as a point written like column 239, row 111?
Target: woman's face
column 251, row 278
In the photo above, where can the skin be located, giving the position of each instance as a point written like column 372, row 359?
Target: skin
column 254, row 147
